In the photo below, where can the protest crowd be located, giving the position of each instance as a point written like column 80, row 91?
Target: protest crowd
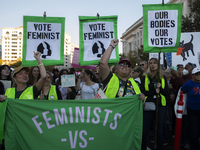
column 148, row 79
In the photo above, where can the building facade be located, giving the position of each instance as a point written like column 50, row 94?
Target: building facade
column 132, row 38
column 12, row 42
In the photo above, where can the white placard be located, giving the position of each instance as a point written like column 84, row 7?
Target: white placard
column 45, row 38
column 68, row 80
column 97, row 37
column 162, row 27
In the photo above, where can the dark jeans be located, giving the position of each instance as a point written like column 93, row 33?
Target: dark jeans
column 148, row 116
column 194, row 122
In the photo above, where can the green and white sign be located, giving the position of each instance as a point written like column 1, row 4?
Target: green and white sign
column 45, row 35
column 161, row 27
column 95, row 35
column 100, row 124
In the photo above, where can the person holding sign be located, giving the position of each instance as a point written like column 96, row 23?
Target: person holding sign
column 118, row 84
column 66, row 92
column 154, row 83
column 89, row 87
column 50, row 92
column 20, row 76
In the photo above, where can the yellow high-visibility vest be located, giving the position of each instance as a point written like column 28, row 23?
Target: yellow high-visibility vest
column 113, row 86
column 147, row 82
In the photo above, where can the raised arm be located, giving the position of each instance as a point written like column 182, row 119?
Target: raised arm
column 104, row 68
column 40, row 82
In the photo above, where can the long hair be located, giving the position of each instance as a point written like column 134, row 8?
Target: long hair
column 159, row 72
column 92, row 76
column 30, row 75
column 1, row 68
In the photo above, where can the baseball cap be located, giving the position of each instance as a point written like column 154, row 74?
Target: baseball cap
column 19, row 68
column 195, row 70
column 124, row 60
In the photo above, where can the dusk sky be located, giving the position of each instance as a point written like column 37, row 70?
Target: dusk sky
column 128, row 12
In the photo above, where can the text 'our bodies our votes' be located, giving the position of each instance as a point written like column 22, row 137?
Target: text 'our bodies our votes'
column 161, row 24
column 98, row 31
column 43, row 31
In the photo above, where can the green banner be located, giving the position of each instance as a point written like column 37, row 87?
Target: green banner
column 161, row 27
column 105, row 124
column 45, row 35
column 95, row 35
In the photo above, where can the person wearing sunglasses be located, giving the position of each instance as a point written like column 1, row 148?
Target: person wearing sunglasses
column 192, row 88
column 119, row 84
column 144, row 65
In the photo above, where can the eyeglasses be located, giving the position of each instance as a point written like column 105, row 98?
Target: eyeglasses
column 122, row 64
column 141, row 64
column 196, row 74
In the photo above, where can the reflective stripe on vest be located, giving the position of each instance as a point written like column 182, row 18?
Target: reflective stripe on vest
column 52, row 93
column 26, row 94
column 113, row 86
column 147, row 82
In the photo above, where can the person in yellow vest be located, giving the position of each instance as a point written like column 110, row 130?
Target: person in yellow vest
column 119, row 84
column 20, row 76
column 50, row 92
column 153, row 83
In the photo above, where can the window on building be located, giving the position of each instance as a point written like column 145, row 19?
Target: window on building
column 14, row 42
column 14, row 45
column 14, row 35
column 14, row 39
column 5, row 38
column 14, row 53
column 5, row 45
column 7, row 32
column 20, row 32
column 130, row 46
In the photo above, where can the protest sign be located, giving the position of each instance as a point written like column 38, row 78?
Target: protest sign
column 45, row 35
column 106, row 124
column 161, row 27
column 68, row 80
column 95, row 35
column 188, row 50
column 75, row 61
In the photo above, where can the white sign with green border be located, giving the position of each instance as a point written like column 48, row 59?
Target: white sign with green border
column 95, row 37
column 45, row 35
column 161, row 27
